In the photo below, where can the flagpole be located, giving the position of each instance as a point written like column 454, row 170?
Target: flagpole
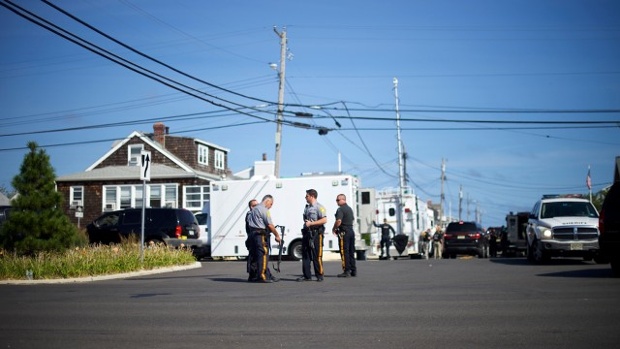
column 589, row 183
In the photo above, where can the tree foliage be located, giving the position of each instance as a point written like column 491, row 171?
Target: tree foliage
column 37, row 222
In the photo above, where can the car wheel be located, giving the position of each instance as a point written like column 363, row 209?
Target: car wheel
column 540, row 256
column 294, row 251
column 529, row 253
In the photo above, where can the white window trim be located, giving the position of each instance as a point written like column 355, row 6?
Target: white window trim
column 219, row 157
column 72, row 198
column 134, row 189
column 134, row 160
column 205, row 194
column 203, row 155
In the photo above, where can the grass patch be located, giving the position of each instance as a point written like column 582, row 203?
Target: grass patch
column 91, row 261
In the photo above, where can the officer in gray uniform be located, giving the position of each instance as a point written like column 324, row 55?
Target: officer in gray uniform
column 260, row 224
column 312, row 237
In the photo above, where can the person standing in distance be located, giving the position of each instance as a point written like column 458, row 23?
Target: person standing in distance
column 386, row 228
column 249, row 243
column 343, row 227
column 437, row 243
column 261, row 226
column 312, row 237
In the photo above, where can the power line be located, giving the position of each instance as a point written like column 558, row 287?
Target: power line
column 132, row 66
column 150, row 57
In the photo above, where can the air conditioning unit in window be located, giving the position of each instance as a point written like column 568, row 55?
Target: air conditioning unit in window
column 110, row 207
column 171, row 204
column 134, row 161
column 75, row 204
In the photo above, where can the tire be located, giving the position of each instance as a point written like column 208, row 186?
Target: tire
column 529, row 254
column 540, row 256
column 294, row 250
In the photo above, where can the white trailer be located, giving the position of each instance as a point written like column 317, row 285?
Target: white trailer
column 229, row 204
column 416, row 218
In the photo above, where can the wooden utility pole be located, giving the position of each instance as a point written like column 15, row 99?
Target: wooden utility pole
column 281, row 76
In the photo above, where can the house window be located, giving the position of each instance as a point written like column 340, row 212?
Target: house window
column 203, row 155
column 76, row 196
column 133, row 154
column 219, row 159
column 170, row 196
column 110, row 202
column 125, row 196
column 196, row 197
column 155, row 199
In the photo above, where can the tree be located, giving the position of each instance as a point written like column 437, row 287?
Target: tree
column 37, row 222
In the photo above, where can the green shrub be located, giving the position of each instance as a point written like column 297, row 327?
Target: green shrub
column 91, row 261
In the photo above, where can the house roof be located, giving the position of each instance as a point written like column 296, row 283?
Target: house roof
column 114, row 173
column 146, row 140
column 158, row 171
column 4, row 200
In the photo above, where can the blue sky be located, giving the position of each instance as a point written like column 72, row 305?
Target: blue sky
column 457, row 63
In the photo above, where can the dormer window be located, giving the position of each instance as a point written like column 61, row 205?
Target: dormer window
column 219, row 160
column 203, row 155
column 133, row 154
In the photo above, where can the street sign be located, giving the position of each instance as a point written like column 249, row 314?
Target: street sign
column 145, row 165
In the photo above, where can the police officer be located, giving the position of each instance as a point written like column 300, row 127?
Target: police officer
column 437, row 243
column 259, row 221
column 249, row 243
column 343, row 227
column 385, row 237
column 312, row 237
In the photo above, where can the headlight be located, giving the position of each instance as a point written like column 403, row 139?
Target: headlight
column 545, row 233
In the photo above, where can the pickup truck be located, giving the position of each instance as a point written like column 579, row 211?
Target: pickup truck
column 563, row 226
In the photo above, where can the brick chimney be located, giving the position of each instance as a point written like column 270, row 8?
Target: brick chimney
column 159, row 133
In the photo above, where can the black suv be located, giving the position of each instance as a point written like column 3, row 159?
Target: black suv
column 609, row 224
column 465, row 238
column 172, row 226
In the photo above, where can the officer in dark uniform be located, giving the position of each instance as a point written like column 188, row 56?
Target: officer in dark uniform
column 312, row 237
column 385, row 237
column 259, row 221
column 249, row 243
column 343, row 227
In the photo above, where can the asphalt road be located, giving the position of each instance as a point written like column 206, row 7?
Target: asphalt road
column 458, row 303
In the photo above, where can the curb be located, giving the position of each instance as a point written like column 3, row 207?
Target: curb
column 102, row 277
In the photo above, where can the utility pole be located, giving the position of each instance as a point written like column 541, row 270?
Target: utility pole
column 401, row 166
column 442, row 200
column 281, row 75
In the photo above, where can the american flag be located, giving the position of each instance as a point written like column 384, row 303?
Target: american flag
column 589, row 180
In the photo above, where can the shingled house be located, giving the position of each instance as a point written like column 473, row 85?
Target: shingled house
column 181, row 170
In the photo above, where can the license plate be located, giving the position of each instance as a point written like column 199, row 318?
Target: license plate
column 190, row 232
column 576, row 246
column 460, row 237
